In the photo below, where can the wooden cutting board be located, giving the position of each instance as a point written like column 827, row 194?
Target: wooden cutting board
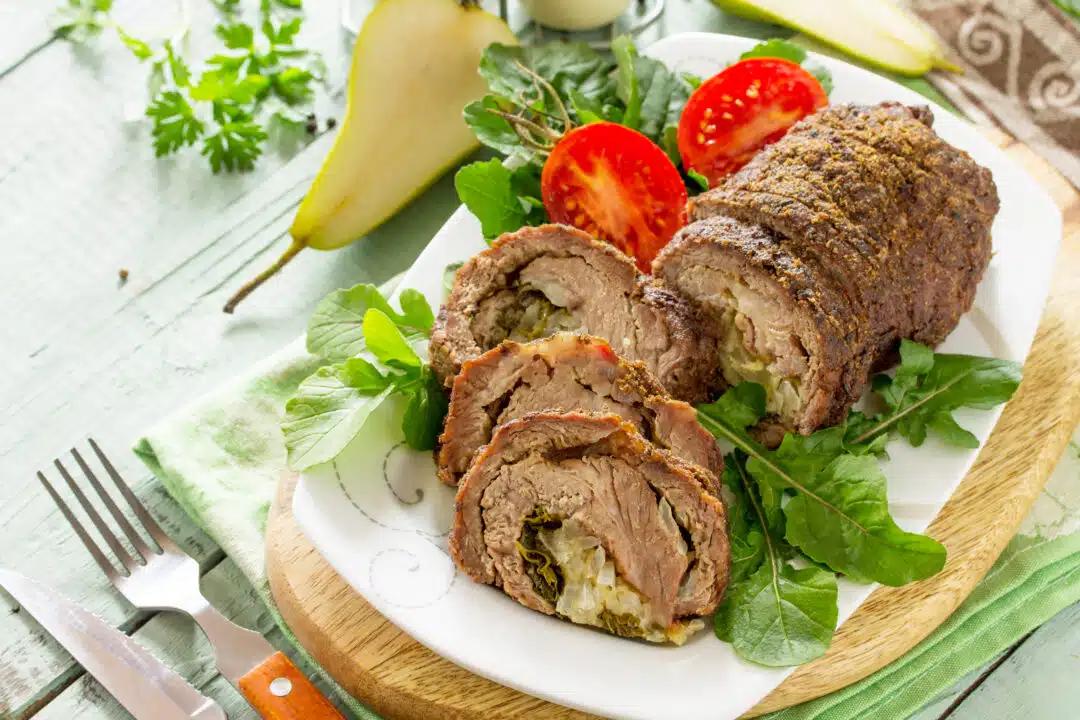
column 400, row 679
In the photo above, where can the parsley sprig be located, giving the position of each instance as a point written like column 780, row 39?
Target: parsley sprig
column 332, row 406
column 260, row 82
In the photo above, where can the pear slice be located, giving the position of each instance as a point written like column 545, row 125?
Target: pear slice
column 414, row 68
column 877, row 32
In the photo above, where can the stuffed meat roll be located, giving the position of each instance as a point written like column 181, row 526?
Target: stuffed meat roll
column 578, row 516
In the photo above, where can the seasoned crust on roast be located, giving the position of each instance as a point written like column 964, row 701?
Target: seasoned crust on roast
column 806, row 326
column 881, row 215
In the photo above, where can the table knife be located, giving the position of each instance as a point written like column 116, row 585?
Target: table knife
column 138, row 680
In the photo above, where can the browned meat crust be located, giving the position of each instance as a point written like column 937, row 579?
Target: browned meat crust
column 593, row 287
column 598, row 472
column 887, row 224
column 718, row 250
column 563, row 373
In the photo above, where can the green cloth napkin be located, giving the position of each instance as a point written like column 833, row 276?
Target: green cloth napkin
column 221, row 458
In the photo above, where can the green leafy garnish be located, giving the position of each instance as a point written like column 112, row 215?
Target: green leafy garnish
column 790, row 51
column 839, row 514
column 235, row 146
column 653, row 95
column 540, row 92
column 175, row 124
column 820, row 501
column 925, row 391
column 502, row 200
column 697, row 177
column 329, row 409
column 774, row 614
column 331, row 406
column 260, row 79
column 336, row 331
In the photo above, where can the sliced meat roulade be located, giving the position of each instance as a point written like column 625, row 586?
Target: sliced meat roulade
column 540, row 280
column 578, row 516
column 782, row 323
column 858, row 228
column 563, row 373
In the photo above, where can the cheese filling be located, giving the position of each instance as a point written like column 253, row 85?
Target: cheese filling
column 590, row 591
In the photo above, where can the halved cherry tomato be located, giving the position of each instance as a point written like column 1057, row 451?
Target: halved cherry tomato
column 742, row 109
column 616, row 184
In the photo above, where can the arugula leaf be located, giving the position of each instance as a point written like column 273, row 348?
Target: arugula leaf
column 329, row 409
column 487, row 189
column 491, row 129
column 653, row 95
column 415, row 311
column 774, row 614
column 790, row 51
column 776, row 48
column 449, row 275
column 627, row 80
column 386, row 342
column 927, row 388
column 822, row 75
column 839, row 514
column 335, row 332
column 745, row 527
column 780, row 616
column 700, row 179
column 423, row 419
column 565, row 65
column 175, row 124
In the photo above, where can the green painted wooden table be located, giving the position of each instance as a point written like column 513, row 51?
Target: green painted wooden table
column 82, row 197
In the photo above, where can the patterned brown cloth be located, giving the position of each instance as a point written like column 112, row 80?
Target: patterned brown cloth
column 1021, row 61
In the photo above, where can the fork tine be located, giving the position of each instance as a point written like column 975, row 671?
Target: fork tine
column 126, row 560
column 147, row 520
column 107, row 567
column 140, row 546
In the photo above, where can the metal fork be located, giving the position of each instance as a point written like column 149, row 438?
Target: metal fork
column 156, row 577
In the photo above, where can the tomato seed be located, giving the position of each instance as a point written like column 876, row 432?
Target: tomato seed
column 727, row 116
column 701, row 138
column 709, row 112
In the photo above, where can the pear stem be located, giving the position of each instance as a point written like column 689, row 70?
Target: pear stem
column 248, row 288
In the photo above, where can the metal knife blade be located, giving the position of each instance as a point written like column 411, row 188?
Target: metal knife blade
column 138, row 680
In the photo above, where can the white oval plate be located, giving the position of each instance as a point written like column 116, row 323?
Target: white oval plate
column 380, row 517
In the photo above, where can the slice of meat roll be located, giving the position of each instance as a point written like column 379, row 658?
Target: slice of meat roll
column 541, row 280
column 782, row 323
column 563, row 373
column 859, row 228
column 578, row 516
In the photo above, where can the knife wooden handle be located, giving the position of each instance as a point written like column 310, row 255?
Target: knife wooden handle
column 279, row 691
